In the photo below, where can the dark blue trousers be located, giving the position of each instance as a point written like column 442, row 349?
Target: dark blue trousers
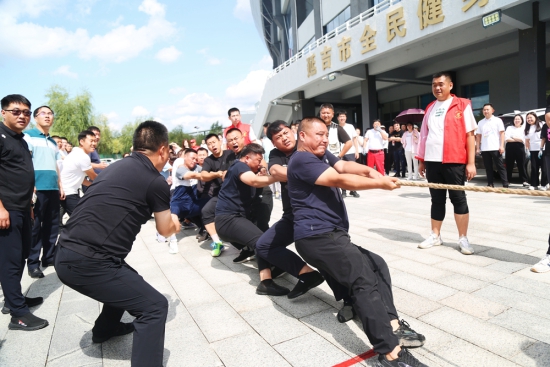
column 46, row 228
column 15, row 244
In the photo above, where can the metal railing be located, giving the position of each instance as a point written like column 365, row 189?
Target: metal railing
column 335, row 32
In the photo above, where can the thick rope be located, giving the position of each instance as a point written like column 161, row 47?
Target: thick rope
column 498, row 190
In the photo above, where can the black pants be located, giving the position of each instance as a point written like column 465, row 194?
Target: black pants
column 348, row 158
column 546, row 162
column 15, row 245
column 208, row 211
column 515, row 153
column 367, row 279
column 241, row 232
column 538, row 167
column 451, row 174
column 119, row 288
column 388, row 160
column 261, row 208
column 490, row 159
column 70, row 202
column 46, row 228
column 399, row 162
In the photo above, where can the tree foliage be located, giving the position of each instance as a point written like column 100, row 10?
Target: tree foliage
column 216, row 128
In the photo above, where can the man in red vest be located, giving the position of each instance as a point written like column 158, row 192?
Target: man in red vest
column 447, row 155
column 235, row 118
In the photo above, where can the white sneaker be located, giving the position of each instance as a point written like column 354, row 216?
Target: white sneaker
column 431, row 241
column 465, row 246
column 173, row 247
column 409, row 178
column 543, row 188
column 415, row 177
column 160, row 238
column 542, row 266
column 532, row 188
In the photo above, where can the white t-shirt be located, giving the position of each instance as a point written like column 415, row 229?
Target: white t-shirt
column 375, row 141
column 534, row 139
column 408, row 142
column 352, row 134
column 74, row 167
column 490, row 129
column 436, row 129
column 360, row 143
column 513, row 132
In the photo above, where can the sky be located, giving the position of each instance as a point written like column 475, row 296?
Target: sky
column 182, row 62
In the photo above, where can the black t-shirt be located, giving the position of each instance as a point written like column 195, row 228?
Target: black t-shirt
column 317, row 209
column 213, row 164
column 16, row 171
column 110, row 215
column 280, row 158
column 235, row 197
column 545, row 135
column 396, row 145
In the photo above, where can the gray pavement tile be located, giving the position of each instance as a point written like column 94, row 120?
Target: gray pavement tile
column 528, row 286
column 274, row 324
column 534, row 355
column 419, row 269
column 490, row 337
column 509, row 256
column 418, row 255
column 472, row 270
column 518, row 300
column 412, row 304
column 528, row 274
column 462, row 282
column 507, row 267
column 422, row 287
column 450, row 251
column 194, row 292
column 248, row 349
column 525, row 323
column 479, row 307
column 302, row 306
column 325, row 294
column 242, row 297
column 218, row 320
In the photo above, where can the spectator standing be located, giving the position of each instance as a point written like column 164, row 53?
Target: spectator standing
column 353, row 153
column 339, row 142
column 544, row 152
column 398, row 153
column 234, row 116
column 388, row 157
column 16, row 191
column 97, row 164
column 515, row 149
column 410, row 140
column 49, row 191
column 533, row 129
column 374, row 146
column 360, row 141
column 69, row 148
column 268, row 147
column 490, row 143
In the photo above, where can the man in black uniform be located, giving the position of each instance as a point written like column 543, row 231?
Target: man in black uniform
column 16, row 189
column 100, row 234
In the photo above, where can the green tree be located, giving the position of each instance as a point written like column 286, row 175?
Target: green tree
column 72, row 115
column 176, row 135
column 107, row 144
column 216, row 128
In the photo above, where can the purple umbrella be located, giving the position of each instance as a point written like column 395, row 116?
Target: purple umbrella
column 414, row 115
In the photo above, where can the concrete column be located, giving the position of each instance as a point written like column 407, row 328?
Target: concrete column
column 317, row 19
column 294, row 22
column 532, row 64
column 307, row 107
column 356, row 7
column 369, row 99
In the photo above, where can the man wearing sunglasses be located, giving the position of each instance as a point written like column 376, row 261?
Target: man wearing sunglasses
column 16, row 189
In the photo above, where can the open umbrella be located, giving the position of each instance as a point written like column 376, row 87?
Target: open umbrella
column 414, row 115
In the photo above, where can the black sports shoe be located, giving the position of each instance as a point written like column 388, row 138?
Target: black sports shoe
column 344, row 195
column 405, row 359
column 27, row 322
column 346, row 313
column 244, row 256
column 30, row 301
column 36, row 273
column 354, row 194
column 306, row 282
column 269, row 288
column 203, row 236
column 123, row 328
column 408, row 337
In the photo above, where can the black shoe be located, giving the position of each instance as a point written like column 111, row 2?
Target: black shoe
column 122, row 329
column 490, row 185
column 346, row 313
column 276, row 272
column 269, row 288
column 188, row 225
column 306, row 282
column 36, row 273
column 506, row 185
column 203, row 236
column 408, row 337
column 30, row 301
column 405, row 359
column 354, row 194
column 244, row 256
column 27, row 322
column 344, row 195
column 5, row 310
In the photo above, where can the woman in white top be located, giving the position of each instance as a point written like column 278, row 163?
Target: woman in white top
column 410, row 143
column 532, row 143
column 515, row 149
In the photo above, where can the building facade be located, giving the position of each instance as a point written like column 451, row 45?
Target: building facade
column 375, row 58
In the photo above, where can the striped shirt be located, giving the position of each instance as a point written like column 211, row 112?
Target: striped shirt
column 44, row 158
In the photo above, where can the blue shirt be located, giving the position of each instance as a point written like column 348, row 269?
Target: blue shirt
column 317, row 209
column 235, row 196
column 94, row 157
column 44, row 159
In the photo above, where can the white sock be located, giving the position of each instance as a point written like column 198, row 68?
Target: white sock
column 173, row 238
column 215, row 238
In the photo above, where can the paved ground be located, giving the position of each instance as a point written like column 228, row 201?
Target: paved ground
column 487, row 309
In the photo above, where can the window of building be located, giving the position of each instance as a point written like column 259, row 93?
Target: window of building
column 338, row 20
column 303, row 8
column 478, row 93
column 309, row 42
column 426, row 99
column 288, row 29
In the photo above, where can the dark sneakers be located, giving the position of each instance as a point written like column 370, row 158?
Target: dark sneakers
column 122, row 329
column 245, row 255
column 354, row 194
column 27, row 322
column 36, row 273
column 405, row 359
column 306, row 282
column 269, row 288
column 346, row 313
column 408, row 337
column 30, row 301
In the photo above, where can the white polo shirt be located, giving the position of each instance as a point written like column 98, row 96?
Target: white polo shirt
column 74, row 167
column 490, row 129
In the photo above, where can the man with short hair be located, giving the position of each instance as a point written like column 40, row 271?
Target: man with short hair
column 16, row 191
column 398, row 152
column 490, row 142
column 100, row 234
column 235, row 118
column 202, row 154
column 321, row 236
column 63, row 151
column 76, row 167
column 339, row 140
column 446, row 155
column 353, row 153
column 97, row 164
column 373, row 145
column 49, row 191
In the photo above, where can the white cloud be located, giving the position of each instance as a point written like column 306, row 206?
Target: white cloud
column 266, row 63
column 32, row 8
column 139, row 111
column 168, row 54
column 249, row 90
column 65, row 71
column 85, row 6
column 211, row 60
column 113, row 120
column 177, row 90
column 242, row 10
column 30, row 40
